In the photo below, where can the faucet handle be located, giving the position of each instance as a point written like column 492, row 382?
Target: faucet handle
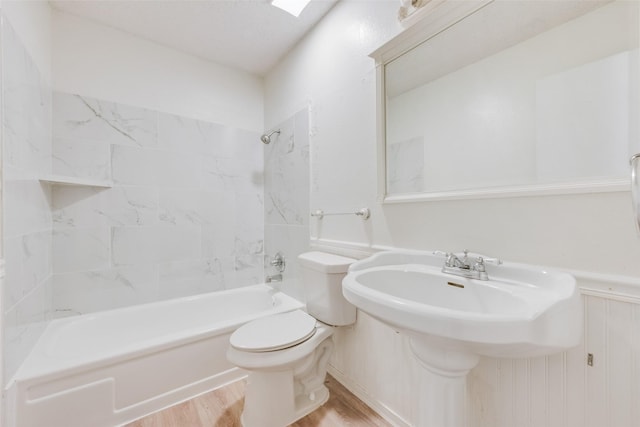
column 279, row 262
column 479, row 265
column 495, row 261
column 452, row 259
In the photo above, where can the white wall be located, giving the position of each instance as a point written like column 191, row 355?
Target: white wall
column 31, row 20
column 101, row 62
column 590, row 234
column 331, row 72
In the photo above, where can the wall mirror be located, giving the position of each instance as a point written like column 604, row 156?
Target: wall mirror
column 502, row 98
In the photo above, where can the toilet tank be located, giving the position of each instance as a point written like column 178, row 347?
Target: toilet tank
column 322, row 275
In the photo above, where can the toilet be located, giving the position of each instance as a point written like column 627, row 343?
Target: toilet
column 287, row 354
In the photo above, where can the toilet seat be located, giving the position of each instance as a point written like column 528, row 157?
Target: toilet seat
column 275, row 332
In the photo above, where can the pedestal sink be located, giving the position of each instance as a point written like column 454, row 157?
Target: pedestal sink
column 519, row 311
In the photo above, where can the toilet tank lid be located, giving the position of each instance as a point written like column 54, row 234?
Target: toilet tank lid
column 325, row 262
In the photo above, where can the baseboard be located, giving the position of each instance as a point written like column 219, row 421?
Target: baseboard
column 382, row 410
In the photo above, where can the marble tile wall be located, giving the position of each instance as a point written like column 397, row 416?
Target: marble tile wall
column 26, row 213
column 287, row 188
column 184, row 215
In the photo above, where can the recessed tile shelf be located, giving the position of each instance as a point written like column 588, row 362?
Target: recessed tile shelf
column 75, row 181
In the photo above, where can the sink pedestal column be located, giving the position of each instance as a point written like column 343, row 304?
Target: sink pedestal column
column 442, row 397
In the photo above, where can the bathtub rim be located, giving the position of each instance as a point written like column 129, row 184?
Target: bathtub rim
column 32, row 368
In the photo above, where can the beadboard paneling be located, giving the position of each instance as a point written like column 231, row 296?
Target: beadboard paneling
column 559, row 390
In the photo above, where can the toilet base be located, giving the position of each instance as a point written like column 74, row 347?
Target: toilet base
column 277, row 398
column 304, row 406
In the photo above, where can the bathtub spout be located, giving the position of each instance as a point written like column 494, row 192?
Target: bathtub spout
column 274, row 278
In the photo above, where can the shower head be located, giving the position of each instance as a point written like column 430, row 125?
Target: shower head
column 266, row 138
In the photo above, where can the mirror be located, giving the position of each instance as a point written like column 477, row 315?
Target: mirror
column 508, row 98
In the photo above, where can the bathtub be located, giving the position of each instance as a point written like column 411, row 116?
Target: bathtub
column 112, row 367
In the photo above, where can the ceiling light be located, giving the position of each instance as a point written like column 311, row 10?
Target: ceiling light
column 293, row 7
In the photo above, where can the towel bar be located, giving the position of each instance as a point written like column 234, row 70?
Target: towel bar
column 365, row 213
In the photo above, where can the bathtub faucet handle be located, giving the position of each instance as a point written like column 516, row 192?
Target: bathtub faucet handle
column 279, row 262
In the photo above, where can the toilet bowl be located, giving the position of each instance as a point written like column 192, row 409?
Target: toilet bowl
column 287, row 354
column 286, row 379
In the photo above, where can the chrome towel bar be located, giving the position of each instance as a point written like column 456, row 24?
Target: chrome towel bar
column 365, row 213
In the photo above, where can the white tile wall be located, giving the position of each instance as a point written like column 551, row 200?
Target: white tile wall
column 27, row 242
column 190, row 207
column 99, row 207
column 203, row 275
column 138, row 166
column 184, row 215
column 29, row 259
column 80, row 249
column 24, row 322
column 194, row 136
column 27, row 201
column 89, row 159
column 113, row 287
column 287, row 189
column 82, row 119
column 144, row 245
column 219, row 174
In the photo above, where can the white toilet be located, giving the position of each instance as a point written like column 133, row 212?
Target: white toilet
column 287, row 354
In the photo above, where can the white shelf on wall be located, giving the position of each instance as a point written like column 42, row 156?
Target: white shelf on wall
column 75, row 181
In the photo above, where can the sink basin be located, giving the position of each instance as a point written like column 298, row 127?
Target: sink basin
column 450, row 320
column 521, row 311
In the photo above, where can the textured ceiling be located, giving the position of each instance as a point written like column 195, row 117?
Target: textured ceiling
column 250, row 35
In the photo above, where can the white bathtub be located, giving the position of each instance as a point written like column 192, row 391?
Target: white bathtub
column 112, row 367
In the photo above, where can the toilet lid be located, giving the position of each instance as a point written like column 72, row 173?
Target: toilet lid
column 274, row 332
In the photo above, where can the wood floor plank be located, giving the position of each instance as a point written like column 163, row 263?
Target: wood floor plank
column 222, row 408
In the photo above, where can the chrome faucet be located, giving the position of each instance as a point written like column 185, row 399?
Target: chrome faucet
column 279, row 262
column 461, row 267
column 274, row 278
column 454, row 261
column 280, row 265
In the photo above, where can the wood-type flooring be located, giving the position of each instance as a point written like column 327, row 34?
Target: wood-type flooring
column 222, row 408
